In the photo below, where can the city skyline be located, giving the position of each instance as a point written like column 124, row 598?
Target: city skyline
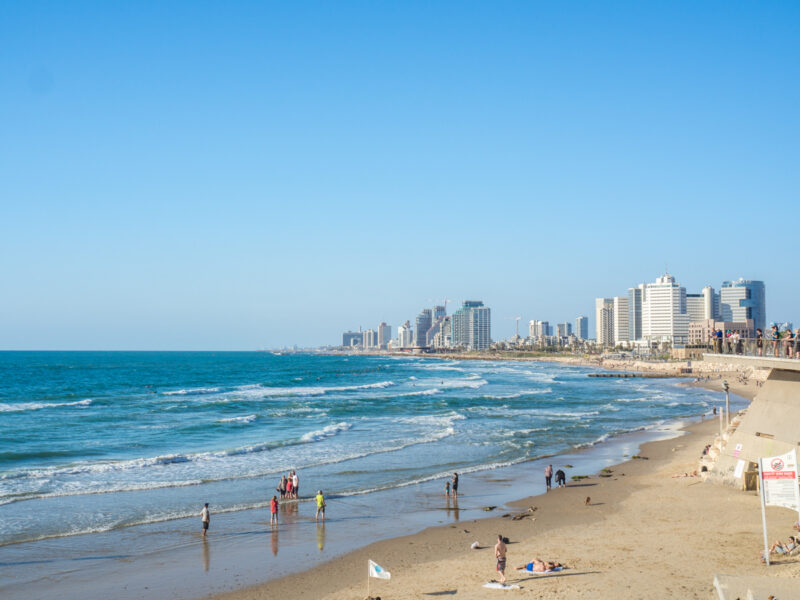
column 207, row 179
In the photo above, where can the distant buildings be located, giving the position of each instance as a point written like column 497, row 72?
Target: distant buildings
column 539, row 329
column 351, row 338
column 405, row 335
column 369, row 339
column 635, row 312
column 604, row 321
column 384, row 335
column 661, row 312
column 582, row 327
column 741, row 300
column 620, row 320
column 471, row 326
column 423, row 324
column 564, row 330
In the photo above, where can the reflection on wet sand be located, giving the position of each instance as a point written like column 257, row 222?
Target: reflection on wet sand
column 206, row 556
column 452, row 506
column 321, row 536
column 274, row 541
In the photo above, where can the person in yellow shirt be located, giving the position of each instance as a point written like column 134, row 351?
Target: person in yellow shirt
column 320, row 505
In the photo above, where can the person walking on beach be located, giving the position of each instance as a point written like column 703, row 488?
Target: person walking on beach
column 548, row 476
column 295, row 484
column 205, row 517
column 273, row 510
column 500, row 554
column 320, row 505
column 455, row 485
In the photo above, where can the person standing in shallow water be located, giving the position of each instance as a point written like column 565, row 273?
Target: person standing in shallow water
column 205, row 518
column 548, row 476
column 273, row 509
column 454, row 487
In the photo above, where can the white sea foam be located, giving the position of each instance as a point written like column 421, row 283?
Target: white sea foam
column 192, row 391
column 325, row 432
column 24, row 406
column 429, row 392
column 245, row 419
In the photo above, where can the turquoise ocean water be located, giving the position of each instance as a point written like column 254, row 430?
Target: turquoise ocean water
column 119, row 439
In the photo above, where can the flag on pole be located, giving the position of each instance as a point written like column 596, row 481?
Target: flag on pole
column 375, row 570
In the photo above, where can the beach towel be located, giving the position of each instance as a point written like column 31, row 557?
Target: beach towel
column 494, row 585
column 556, row 570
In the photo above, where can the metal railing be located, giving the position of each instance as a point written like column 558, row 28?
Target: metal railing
column 765, row 347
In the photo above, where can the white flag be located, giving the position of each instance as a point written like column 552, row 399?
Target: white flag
column 375, row 570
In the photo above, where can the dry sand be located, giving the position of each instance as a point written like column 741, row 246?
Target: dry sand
column 645, row 534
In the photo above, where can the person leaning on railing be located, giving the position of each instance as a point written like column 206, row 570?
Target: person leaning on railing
column 775, row 334
column 788, row 340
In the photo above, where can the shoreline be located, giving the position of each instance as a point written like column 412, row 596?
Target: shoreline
column 450, row 543
column 239, row 555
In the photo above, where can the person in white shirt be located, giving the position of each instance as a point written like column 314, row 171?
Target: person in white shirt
column 294, row 484
column 205, row 517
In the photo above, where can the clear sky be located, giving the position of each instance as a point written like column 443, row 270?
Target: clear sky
column 237, row 175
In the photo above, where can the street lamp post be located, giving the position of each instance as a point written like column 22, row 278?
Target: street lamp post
column 726, row 387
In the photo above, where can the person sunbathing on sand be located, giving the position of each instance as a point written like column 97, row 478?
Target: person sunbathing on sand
column 783, row 548
column 692, row 474
column 537, row 565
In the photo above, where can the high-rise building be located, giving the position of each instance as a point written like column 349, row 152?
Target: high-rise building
column 664, row 316
column 422, row 325
column 539, row 329
column 582, row 327
column 696, row 307
column 352, row 338
column 439, row 312
column 710, row 303
column 621, row 315
column 405, row 335
column 444, row 337
column 472, row 326
column 604, row 321
column 384, row 335
column 563, row 330
column 741, row 300
column 635, row 312
column 369, row 339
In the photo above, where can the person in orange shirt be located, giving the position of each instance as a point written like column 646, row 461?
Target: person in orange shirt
column 273, row 509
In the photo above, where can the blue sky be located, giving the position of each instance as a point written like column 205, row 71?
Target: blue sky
column 240, row 175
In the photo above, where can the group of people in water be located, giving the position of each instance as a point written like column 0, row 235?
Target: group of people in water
column 287, row 489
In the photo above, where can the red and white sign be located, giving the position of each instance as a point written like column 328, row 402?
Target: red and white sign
column 779, row 478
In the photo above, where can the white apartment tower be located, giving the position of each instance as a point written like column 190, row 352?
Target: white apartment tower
column 384, row 335
column 604, row 321
column 664, row 316
column 405, row 336
column 621, row 316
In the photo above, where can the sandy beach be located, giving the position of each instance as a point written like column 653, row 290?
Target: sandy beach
column 644, row 534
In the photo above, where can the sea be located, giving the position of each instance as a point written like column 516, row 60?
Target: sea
column 99, row 442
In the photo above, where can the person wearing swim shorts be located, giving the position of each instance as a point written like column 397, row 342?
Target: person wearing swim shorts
column 205, row 517
column 500, row 555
